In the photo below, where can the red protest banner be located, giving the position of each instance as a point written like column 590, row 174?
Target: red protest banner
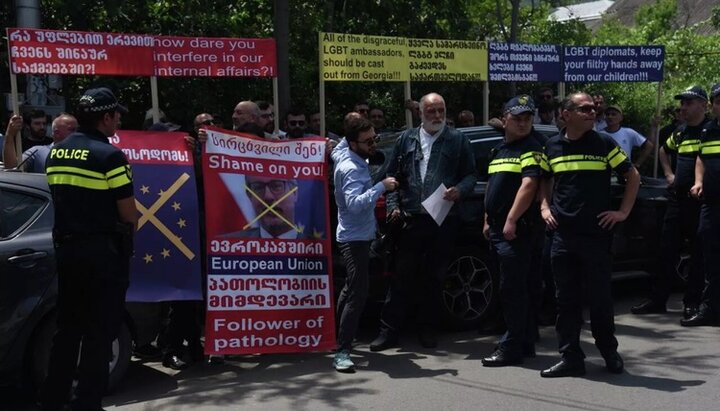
column 268, row 245
column 34, row 51
column 214, row 57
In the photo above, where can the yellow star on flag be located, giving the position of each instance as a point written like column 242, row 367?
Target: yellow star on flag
column 148, row 258
column 176, row 206
column 165, row 253
column 181, row 223
column 317, row 234
column 145, row 189
column 161, row 192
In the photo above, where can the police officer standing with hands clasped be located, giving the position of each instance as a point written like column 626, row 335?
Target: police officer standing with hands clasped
column 95, row 219
column 576, row 203
column 511, row 214
column 707, row 189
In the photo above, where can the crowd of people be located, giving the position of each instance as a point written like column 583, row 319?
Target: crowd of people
column 547, row 200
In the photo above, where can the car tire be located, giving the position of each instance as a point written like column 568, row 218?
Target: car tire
column 469, row 290
column 42, row 343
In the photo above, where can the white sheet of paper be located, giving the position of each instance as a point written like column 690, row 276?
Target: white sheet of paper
column 437, row 206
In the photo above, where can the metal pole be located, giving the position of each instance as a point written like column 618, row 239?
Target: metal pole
column 276, row 99
column 408, row 113
column 155, row 99
column 486, row 102
column 656, row 133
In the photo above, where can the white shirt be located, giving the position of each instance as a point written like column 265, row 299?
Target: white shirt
column 426, row 142
column 600, row 124
column 627, row 139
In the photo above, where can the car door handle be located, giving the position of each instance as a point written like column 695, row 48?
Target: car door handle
column 17, row 259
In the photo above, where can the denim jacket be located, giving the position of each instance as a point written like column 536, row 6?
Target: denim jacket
column 451, row 162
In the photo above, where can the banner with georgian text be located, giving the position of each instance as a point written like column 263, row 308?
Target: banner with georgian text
column 269, row 265
column 166, row 264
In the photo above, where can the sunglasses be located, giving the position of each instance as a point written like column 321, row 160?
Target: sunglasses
column 585, row 109
column 294, row 123
column 371, row 141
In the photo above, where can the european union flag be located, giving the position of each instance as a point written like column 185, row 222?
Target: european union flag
column 166, row 265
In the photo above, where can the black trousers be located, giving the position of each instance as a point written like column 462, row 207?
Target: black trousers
column 422, row 258
column 92, row 281
column 582, row 267
column 520, row 286
column 679, row 225
column 710, row 234
column 183, row 325
column 354, row 294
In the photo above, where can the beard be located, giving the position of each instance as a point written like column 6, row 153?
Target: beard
column 433, row 127
column 296, row 133
column 252, row 128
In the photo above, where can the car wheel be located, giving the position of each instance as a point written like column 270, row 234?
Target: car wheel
column 42, row 343
column 468, row 292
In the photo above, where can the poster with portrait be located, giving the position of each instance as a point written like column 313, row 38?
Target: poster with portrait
column 269, row 285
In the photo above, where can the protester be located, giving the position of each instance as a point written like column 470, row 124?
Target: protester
column 707, row 187
column 246, row 119
column 546, row 113
column 422, row 160
column 363, row 108
column 296, row 123
column 599, row 101
column 680, row 222
column 314, row 128
column 377, row 117
column 576, row 204
column 625, row 137
column 95, row 220
column 414, row 108
column 266, row 120
column 36, row 133
column 544, row 97
column 511, row 215
column 355, row 196
column 34, row 158
column 465, row 118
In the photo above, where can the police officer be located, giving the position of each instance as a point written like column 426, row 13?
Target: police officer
column 707, row 188
column 682, row 212
column 95, row 218
column 576, row 203
column 511, row 214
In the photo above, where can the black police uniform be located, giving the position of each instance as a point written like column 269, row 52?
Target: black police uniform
column 710, row 220
column 681, row 221
column 581, row 248
column 87, row 177
column 510, row 163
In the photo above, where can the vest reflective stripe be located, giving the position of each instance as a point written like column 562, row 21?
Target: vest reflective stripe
column 689, row 146
column 616, row 157
column 578, row 165
column 118, row 177
column 671, row 143
column 710, row 147
column 506, row 167
column 75, row 170
column 532, row 158
column 77, row 181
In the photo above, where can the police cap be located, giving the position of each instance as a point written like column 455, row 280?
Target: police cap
column 519, row 104
column 98, row 100
column 691, row 93
column 715, row 91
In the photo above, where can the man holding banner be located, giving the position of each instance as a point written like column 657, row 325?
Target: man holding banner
column 425, row 159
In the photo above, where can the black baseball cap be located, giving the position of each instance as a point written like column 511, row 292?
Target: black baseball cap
column 519, row 104
column 715, row 91
column 692, row 92
column 97, row 100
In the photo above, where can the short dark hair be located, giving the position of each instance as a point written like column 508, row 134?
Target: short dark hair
column 569, row 104
column 263, row 105
column 90, row 119
column 295, row 111
column 355, row 126
column 37, row 114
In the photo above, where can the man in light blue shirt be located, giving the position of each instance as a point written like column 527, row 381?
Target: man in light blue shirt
column 355, row 195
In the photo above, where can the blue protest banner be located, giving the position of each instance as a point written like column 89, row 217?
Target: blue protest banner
column 524, row 62
column 622, row 64
column 166, row 264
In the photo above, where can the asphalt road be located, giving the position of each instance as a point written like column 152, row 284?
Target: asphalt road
column 668, row 367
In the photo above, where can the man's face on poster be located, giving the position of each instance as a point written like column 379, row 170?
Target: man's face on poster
column 270, row 190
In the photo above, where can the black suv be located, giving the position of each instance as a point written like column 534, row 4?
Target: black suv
column 469, row 292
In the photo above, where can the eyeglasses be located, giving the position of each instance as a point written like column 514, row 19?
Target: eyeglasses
column 276, row 187
column 371, row 141
column 208, row 122
column 294, row 123
column 585, row 109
